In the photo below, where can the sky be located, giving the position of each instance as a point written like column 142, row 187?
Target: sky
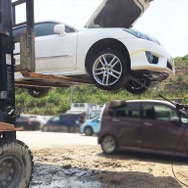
column 166, row 20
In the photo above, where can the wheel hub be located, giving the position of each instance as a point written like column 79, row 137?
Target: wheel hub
column 107, row 69
column 7, row 171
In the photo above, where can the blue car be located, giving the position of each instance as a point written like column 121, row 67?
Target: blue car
column 90, row 127
column 62, row 122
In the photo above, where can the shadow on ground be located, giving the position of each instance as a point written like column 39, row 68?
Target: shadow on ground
column 51, row 176
column 147, row 157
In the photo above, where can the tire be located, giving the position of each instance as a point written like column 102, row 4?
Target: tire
column 35, row 126
column 109, row 70
column 16, row 164
column 109, row 144
column 38, row 92
column 139, row 87
column 88, row 131
column 45, row 129
column 73, row 129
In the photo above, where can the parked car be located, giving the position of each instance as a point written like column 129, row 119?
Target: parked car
column 62, row 122
column 90, row 126
column 29, row 121
column 115, row 56
column 154, row 126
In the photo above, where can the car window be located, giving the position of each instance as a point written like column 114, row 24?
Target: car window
column 43, row 29
column 33, row 116
column 55, row 119
column 64, row 117
column 17, row 31
column 69, row 29
column 130, row 110
column 69, row 116
column 23, row 118
column 158, row 112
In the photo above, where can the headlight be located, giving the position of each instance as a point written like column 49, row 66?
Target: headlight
column 141, row 35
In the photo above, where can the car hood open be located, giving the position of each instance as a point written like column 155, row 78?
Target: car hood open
column 117, row 13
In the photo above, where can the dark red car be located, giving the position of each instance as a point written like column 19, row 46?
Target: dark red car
column 144, row 125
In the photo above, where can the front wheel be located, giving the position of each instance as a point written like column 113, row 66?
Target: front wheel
column 16, row 164
column 109, row 70
column 88, row 131
column 45, row 129
column 109, row 144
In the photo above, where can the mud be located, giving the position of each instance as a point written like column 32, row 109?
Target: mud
column 75, row 161
column 87, row 167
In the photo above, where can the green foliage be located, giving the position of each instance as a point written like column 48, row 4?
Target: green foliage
column 55, row 102
column 59, row 99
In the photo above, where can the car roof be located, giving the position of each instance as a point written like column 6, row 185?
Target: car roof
column 36, row 23
column 117, row 103
column 70, row 114
column 117, row 13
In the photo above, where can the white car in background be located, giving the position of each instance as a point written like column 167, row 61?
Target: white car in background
column 30, row 121
column 107, row 52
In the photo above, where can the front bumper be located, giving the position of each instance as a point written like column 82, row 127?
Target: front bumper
column 149, row 56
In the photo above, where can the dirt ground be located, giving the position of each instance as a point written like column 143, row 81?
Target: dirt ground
column 76, row 161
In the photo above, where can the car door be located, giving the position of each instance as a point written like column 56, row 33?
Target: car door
column 159, row 131
column 96, row 124
column 182, row 145
column 65, row 120
column 54, row 123
column 55, row 53
column 127, row 124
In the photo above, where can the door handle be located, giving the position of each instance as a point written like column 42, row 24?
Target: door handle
column 116, row 120
column 148, row 124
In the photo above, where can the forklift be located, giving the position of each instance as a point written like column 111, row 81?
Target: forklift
column 16, row 160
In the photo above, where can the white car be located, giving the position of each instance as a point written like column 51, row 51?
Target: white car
column 107, row 52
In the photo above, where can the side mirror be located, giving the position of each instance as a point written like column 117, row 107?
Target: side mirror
column 60, row 29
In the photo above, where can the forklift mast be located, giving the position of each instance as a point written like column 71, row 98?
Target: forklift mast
column 14, row 154
column 7, row 93
column 7, row 96
column 7, row 62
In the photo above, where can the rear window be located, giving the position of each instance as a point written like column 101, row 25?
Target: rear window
column 129, row 111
